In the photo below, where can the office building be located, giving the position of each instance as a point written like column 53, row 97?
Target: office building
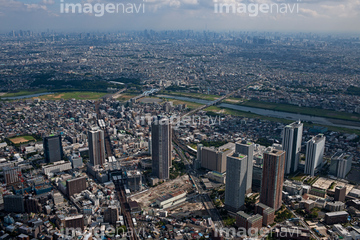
column 340, row 193
column 134, row 180
column 76, row 161
column 272, row 178
column 14, row 203
column 57, row 198
column 161, row 142
column 291, row 143
column 247, row 148
column 76, row 185
column 32, row 205
column 111, row 215
column 53, row 150
column 336, row 217
column 214, row 159
column 73, row 222
column 11, row 174
column 314, row 154
column 236, row 181
column 340, row 164
column 56, row 167
column 335, row 206
column 96, row 147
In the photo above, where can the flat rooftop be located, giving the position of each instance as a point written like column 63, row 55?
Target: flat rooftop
column 333, row 214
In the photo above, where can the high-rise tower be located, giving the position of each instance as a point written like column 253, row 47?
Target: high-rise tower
column 292, row 145
column 272, row 178
column 161, row 147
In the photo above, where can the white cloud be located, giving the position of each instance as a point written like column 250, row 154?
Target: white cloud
column 310, row 13
column 48, row 2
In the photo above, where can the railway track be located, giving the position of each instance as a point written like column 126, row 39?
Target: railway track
column 119, row 184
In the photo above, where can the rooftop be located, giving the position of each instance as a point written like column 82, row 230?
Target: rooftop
column 333, row 214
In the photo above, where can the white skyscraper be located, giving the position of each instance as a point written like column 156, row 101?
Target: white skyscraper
column 314, row 153
column 236, row 179
column 292, row 145
column 247, row 148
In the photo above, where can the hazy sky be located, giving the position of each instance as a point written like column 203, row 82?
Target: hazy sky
column 308, row 15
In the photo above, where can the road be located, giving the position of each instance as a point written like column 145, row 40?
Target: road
column 117, row 94
column 304, row 224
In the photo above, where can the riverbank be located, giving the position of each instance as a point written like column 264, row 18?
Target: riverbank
column 302, row 110
column 338, row 123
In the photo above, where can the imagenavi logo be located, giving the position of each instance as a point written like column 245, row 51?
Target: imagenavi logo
column 254, row 9
column 100, row 9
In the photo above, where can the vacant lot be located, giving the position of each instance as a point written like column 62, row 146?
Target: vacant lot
column 126, row 96
column 148, row 197
column 150, row 100
column 22, row 139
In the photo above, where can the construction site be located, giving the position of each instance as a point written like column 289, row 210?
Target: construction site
column 191, row 207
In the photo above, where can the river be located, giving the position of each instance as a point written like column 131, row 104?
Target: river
column 276, row 114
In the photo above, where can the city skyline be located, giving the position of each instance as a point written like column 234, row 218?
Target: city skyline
column 180, row 119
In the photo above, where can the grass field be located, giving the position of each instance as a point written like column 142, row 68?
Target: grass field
column 192, row 95
column 298, row 177
column 190, row 105
column 302, row 110
column 24, row 92
column 233, row 100
column 75, row 95
column 21, row 139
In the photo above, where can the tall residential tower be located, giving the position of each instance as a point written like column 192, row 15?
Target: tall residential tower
column 272, row 178
column 96, row 147
column 239, row 175
column 161, row 144
column 292, row 145
column 314, row 154
column 247, row 148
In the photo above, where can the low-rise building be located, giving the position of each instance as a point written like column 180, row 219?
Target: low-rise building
column 246, row 221
column 56, row 167
column 267, row 212
column 336, row 217
column 169, row 200
column 335, row 206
